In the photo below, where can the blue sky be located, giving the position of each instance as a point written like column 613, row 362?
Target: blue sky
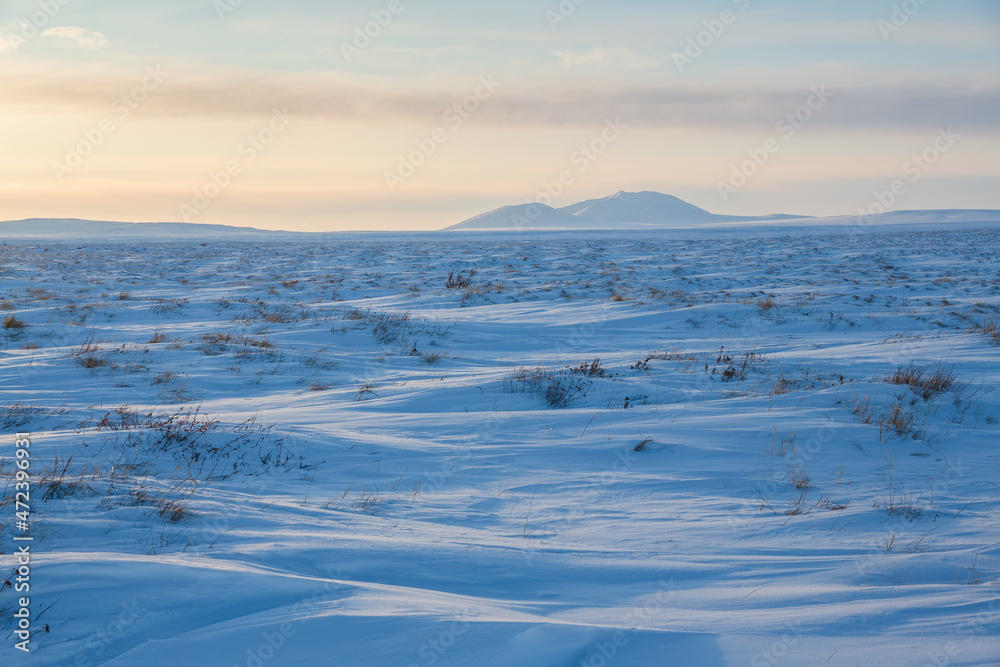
column 896, row 73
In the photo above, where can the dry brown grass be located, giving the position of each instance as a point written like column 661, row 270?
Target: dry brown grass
column 460, row 280
column 898, row 420
column 590, row 368
column 642, row 445
column 11, row 323
column 431, row 358
column 989, row 330
column 766, row 304
column 926, row 382
column 798, row 476
column 782, row 386
column 92, row 361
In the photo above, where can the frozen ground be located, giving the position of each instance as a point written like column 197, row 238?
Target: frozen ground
column 324, row 454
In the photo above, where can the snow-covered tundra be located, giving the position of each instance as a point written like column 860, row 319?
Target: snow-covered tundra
column 687, row 448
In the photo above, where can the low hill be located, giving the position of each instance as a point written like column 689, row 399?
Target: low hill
column 622, row 210
column 91, row 230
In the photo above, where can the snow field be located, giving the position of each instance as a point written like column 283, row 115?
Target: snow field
column 703, row 450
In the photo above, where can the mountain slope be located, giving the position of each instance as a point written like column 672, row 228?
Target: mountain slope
column 74, row 228
column 622, row 210
column 639, row 207
column 522, row 216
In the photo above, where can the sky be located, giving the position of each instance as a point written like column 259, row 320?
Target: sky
column 417, row 114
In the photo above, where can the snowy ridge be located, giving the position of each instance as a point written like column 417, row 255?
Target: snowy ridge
column 652, row 211
column 73, row 228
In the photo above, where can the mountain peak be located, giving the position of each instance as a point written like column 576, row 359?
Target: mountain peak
column 622, row 210
column 642, row 208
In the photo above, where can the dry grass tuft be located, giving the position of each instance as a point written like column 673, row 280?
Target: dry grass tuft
column 989, row 329
column 927, row 382
column 11, row 323
column 460, row 280
column 589, row 368
column 642, row 445
column 766, row 304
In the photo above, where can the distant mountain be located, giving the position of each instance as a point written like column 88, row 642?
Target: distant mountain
column 949, row 215
column 622, row 210
column 625, row 211
column 638, row 207
column 528, row 216
column 92, row 230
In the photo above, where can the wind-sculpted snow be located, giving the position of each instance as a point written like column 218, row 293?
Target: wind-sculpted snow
column 551, row 451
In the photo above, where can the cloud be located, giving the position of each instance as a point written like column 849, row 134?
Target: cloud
column 968, row 106
column 602, row 56
column 11, row 34
column 88, row 39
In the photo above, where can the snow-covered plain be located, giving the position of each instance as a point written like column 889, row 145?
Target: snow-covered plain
column 323, row 454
